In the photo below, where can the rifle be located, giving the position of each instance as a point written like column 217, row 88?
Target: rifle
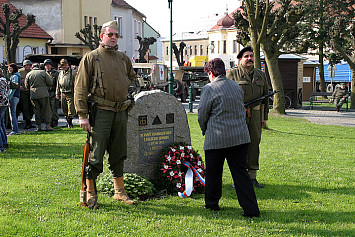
column 252, row 103
column 83, row 194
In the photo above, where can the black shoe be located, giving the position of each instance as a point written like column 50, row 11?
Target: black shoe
column 250, row 215
column 214, row 208
column 6, row 146
column 256, row 184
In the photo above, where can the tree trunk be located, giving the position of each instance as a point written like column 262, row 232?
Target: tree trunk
column 272, row 63
column 352, row 92
column 256, row 49
column 322, row 86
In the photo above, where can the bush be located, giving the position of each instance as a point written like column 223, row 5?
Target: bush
column 136, row 186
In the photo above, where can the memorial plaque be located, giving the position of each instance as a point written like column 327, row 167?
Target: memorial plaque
column 157, row 120
column 152, row 141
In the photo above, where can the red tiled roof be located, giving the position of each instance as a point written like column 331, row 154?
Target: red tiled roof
column 34, row 31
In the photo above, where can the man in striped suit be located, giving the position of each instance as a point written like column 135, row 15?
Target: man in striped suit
column 221, row 116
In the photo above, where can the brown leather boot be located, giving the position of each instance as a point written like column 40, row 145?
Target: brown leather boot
column 91, row 194
column 48, row 127
column 120, row 193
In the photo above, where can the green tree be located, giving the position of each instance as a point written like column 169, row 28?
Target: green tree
column 317, row 27
column 90, row 35
column 11, row 29
column 343, row 42
column 251, row 31
column 279, row 33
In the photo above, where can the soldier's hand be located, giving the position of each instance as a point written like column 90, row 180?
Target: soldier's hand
column 57, row 97
column 84, row 123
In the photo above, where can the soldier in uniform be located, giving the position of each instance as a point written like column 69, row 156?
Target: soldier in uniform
column 65, row 91
column 53, row 101
column 339, row 96
column 254, row 84
column 104, row 76
column 24, row 104
column 37, row 82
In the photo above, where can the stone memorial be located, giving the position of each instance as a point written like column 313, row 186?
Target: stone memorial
column 156, row 121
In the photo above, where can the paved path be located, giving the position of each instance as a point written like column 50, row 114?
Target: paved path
column 321, row 115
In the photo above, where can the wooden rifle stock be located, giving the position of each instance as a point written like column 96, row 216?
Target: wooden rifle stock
column 83, row 199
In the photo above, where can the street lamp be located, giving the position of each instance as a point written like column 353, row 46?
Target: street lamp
column 171, row 76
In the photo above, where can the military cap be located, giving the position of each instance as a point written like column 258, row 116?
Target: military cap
column 35, row 65
column 63, row 61
column 246, row 49
column 26, row 62
column 47, row 61
column 111, row 24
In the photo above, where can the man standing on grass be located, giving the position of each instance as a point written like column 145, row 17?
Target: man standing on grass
column 254, row 84
column 104, row 76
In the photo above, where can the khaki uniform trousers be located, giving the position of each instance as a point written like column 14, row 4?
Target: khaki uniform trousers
column 109, row 135
column 254, row 127
column 54, row 103
column 42, row 110
column 25, row 105
column 67, row 102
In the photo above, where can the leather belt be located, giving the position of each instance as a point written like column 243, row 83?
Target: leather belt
column 117, row 106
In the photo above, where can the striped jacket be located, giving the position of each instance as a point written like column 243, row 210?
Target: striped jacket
column 221, row 114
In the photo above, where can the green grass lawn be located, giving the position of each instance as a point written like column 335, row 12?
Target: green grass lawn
column 308, row 171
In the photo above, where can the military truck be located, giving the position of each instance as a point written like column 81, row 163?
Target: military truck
column 152, row 76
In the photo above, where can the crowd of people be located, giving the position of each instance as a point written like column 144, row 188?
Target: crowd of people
column 35, row 89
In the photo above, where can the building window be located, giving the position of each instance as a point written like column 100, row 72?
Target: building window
column 190, row 50
column 90, row 20
column 95, row 20
column 201, row 50
column 135, row 27
column 167, row 50
column 224, row 46
column 235, row 46
column 195, row 49
column 85, row 20
column 212, row 46
column 119, row 23
column 218, row 46
column 139, row 28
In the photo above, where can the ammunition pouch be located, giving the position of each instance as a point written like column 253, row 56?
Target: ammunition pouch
column 91, row 112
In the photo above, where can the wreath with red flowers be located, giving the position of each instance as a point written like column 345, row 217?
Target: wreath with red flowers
column 171, row 171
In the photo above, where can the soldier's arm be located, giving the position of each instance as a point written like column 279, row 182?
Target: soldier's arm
column 130, row 71
column 82, row 86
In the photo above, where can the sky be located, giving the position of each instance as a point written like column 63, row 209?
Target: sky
column 188, row 15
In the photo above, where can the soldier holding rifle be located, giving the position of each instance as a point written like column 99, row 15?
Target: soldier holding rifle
column 254, row 84
column 103, row 78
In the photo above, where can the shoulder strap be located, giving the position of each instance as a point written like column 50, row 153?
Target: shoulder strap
column 97, row 74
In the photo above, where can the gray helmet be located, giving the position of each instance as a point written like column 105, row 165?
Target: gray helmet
column 26, row 62
column 47, row 61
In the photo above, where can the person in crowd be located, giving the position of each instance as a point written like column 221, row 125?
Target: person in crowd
column 53, row 101
column 14, row 96
column 65, row 91
column 37, row 82
column 4, row 103
column 25, row 105
column 339, row 96
column 109, row 91
column 221, row 117
column 254, row 84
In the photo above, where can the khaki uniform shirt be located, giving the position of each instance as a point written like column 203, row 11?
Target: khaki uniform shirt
column 66, row 80
column 37, row 82
column 54, row 74
column 254, row 85
column 23, row 73
column 117, row 75
column 340, row 93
